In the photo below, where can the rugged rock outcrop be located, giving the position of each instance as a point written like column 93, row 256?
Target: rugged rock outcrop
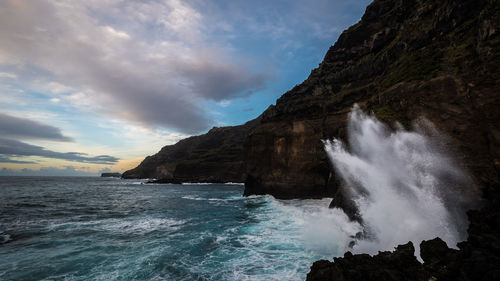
column 403, row 60
column 216, row 156
column 477, row 259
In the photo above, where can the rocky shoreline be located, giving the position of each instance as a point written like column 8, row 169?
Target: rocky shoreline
column 478, row 258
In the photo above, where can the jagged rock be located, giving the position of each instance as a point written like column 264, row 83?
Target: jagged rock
column 477, row 259
column 343, row 201
column 396, row 266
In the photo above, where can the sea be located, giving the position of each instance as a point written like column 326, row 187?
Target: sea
column 91, row 228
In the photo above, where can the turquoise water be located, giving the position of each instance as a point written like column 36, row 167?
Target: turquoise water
column 113, row 229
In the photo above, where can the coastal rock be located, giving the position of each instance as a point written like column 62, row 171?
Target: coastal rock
column 398, row 265
column 111, row 175
column 403, row 60
column 478, row 258
column 216, row 156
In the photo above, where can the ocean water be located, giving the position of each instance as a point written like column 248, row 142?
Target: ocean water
column 54, row 228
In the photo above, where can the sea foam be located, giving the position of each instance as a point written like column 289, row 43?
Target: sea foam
column 404, row 184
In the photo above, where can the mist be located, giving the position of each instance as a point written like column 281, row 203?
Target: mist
column 404, row 184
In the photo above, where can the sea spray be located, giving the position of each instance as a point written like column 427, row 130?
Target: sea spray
column 403, row 183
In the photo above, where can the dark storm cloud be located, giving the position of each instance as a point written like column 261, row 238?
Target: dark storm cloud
column 15, row 127
column 20, row 149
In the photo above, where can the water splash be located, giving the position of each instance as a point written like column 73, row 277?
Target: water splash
column 404, row 185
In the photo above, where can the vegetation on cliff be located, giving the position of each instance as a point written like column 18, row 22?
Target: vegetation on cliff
column 405, row 59
column 216, row 156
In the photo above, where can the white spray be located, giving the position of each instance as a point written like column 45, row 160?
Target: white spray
column 406, row 188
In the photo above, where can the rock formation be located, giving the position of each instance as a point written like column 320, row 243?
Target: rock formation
column 403, row 60
column 477, row 259
column 111, row 175
column 216, row 156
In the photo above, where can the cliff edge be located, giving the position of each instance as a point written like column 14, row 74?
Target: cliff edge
column 216, row 156
column 403, row 60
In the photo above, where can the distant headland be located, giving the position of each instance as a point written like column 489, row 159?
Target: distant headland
column 111, row 175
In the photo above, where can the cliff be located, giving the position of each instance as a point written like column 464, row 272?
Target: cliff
column 404, row 59
column 216, row 156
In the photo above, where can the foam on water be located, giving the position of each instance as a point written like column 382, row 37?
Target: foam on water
column 4, row 238
column 404, row 184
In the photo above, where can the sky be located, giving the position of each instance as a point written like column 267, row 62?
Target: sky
column 95, row 86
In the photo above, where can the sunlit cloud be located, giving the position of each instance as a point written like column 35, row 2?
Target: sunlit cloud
column 125, row 78
column 100, row 66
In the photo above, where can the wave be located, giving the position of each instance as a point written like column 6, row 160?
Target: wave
column 404, row 185
column 4, row 238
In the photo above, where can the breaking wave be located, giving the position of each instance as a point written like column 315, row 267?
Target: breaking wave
column 404, row 184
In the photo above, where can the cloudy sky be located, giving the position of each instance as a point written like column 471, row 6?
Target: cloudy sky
column 96, row 85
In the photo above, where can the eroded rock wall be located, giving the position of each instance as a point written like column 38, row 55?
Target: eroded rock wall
column 404, row 60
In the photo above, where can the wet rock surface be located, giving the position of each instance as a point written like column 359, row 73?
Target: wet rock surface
column 478, row 258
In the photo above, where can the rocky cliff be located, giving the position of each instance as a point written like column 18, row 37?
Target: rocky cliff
column 404, row 59
column 216, row 156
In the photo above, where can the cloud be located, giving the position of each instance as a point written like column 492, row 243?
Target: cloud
column 48, row 171
column 4, row 159
column 147, row 62
column 105, row 170
column 9, row 148
column 7, row 75
column 15, row 127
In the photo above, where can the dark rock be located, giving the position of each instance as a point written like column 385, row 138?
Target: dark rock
column 403, row 60
column 165, row 180
column 343, row 201
column 216, row 156
column 477, row 259
column 398, row 265
column 111, row 175
column 435, row 251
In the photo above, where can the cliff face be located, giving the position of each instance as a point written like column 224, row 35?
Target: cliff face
column 403, row 60
column 216, row 156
